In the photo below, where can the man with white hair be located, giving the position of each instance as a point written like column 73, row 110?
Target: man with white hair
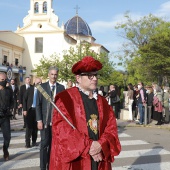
column 44, row 115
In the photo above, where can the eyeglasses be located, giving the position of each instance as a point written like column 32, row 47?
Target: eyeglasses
column 90, row 75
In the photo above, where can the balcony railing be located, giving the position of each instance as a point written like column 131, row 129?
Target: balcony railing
column 15, row 69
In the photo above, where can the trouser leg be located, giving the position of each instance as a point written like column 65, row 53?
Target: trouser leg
column 34, row 132
column 35, row 129
column 149, row 113
column 28, row 133
column 130, row 109
column 159, row 117
column 167, row 115
column 15, row 109
column 45, row 147
column 141, row 112
column 6, row 132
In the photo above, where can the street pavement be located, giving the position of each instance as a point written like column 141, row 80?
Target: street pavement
column 133, row 148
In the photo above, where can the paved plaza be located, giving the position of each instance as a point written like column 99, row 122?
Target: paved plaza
column 137, row 152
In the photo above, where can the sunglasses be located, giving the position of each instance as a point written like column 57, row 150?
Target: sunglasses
column 90, row 75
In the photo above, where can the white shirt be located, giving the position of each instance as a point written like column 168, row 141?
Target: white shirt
column 13, row 87
column 27, row 86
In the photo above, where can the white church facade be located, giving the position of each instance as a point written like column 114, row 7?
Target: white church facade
column 40, row 36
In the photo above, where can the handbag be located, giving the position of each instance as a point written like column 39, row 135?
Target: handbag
column 116, row 99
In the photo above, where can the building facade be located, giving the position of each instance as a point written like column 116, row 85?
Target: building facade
column 40, row 36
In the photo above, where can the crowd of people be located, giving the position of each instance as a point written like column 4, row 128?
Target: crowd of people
column 80, row 134
column 151, row 101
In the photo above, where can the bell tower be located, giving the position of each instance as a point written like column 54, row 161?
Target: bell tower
column 40, row 15
column 38, row 7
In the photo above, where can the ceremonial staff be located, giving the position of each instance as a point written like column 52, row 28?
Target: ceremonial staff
column 48, row 98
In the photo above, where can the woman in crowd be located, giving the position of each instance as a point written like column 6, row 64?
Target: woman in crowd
column 166, row 104
column 69, row 84
column 101, row 89
column 157, row 103
column 150, row 96
column 114, row 99
column 130, row 95
column 135, row 102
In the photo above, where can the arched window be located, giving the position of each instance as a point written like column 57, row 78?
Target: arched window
column 45, row 7
column 36, row 7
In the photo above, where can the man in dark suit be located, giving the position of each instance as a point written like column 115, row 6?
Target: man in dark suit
column 15, row 94
column 22, row 91
column 6, row 105
column 44, row 112
column 29, row 105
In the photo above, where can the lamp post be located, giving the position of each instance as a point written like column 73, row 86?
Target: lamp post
column 66, row 71
column 125, row 75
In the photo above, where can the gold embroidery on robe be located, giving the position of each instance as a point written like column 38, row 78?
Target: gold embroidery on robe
column 93, row 123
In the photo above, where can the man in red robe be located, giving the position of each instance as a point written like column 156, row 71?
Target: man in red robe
column 94, row 142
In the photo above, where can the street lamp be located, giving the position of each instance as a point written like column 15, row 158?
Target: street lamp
column 125, row 76
column 66, row 71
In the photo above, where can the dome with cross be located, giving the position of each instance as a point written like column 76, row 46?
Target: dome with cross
column 77, row 26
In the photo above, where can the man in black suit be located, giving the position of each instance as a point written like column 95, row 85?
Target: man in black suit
column 22, row 91
column 6, row 105
column 15, row 94
column 44, row 112
column 29, row 105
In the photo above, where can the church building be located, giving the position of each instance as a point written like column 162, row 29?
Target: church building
column 40, row 36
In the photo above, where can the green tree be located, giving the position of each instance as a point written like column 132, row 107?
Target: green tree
column 156, row 53
column 146, row 50
column 41, row 69
column 70, row 57
column 136, row 33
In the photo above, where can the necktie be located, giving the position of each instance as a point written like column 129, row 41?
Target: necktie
column 52, row 91
column 34, row 99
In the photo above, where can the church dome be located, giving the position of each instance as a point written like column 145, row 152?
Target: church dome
column 77, row 25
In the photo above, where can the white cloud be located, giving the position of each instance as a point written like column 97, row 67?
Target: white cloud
column 164, row 10
column 103, row 26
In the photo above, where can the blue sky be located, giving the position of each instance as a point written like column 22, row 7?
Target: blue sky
column 102, row 16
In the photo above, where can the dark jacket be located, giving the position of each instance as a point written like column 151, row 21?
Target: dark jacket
column 43, row 107
column 21, row 93
column 113, row 96
column 15, row 93
column 6, row 102
column 28, row 98
column 140, row 97
column 150, row 99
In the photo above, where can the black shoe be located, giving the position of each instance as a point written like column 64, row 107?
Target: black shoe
column 27, row 146
column 138, row 123
column 34, row 144
column 158, row 123
column 14, row 118
column 6, row 154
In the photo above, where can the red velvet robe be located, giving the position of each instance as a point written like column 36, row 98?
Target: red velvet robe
column 70, row 147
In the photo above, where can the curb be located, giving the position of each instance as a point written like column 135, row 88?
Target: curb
column 146, row 126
